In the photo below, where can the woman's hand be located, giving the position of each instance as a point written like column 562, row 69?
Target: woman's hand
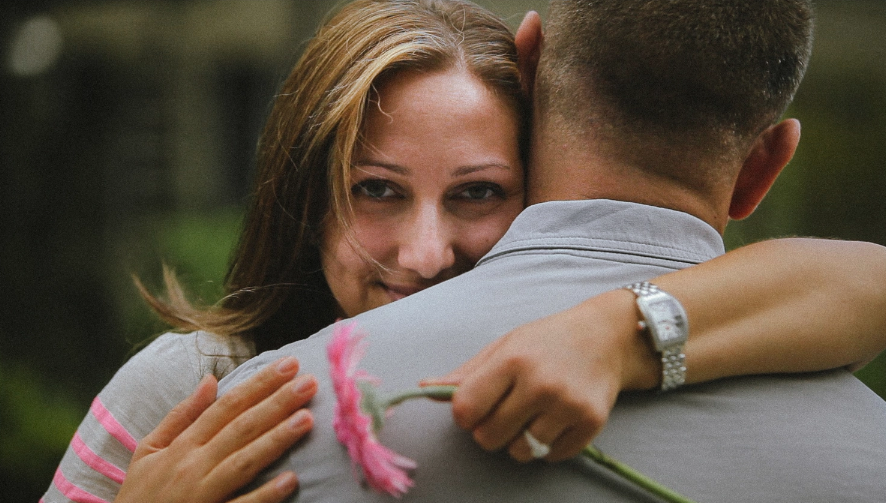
column 204, row 450
column 557, row 377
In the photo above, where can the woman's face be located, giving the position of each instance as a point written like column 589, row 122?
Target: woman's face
column 436, row 183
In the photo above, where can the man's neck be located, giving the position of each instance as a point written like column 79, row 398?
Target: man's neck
column 566, row 174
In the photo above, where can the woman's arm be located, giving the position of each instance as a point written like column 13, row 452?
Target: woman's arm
column 789, row 305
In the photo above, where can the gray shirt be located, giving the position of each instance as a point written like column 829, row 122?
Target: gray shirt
column 811, row 437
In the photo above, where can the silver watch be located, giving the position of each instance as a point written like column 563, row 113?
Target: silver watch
column 668, row 326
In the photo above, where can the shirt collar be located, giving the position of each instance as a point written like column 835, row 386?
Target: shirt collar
column 606, row 225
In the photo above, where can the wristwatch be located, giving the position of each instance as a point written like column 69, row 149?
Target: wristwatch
column 668, row 326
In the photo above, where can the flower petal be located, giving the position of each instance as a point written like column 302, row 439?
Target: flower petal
column 384, row 469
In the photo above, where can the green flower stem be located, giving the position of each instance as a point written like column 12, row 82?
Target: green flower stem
column 634, row 476
column 445, row 393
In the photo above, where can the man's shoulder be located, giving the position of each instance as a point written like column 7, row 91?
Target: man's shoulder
column 778, row 438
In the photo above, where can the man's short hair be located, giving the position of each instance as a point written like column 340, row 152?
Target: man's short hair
column 696, row 72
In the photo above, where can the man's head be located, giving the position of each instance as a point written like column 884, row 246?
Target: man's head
column 680, row 90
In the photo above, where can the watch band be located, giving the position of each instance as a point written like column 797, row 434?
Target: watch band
column 673, row 359
column 673, row 368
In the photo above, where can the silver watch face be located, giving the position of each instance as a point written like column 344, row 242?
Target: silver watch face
column 666, row 320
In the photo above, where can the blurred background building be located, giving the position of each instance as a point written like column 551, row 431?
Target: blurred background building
column 127, row 135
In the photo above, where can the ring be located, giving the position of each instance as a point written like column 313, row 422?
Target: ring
column 539, row 450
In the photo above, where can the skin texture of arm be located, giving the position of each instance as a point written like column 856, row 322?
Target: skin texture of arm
column 789, row 305
column 797, row 305
column 205, row 450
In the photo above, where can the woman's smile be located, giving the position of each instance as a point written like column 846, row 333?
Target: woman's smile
column 397, row 292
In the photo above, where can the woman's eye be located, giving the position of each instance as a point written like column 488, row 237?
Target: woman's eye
column 481, row 192
column 376, row 189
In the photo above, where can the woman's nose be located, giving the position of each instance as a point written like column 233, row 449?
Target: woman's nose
column 426, row 243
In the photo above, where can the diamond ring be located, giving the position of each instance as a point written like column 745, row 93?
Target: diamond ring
column 539, row 450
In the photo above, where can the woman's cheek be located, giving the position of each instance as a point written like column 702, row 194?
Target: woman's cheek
column 377, row 234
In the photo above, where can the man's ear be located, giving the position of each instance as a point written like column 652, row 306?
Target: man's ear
column 770, row 153
column 528, row 40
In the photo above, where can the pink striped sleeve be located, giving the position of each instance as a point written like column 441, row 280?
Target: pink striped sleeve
column 73, row 492
column 95, row 461
column 107, row 420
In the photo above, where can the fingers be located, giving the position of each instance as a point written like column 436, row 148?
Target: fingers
column 180, row 417
column 263, row 417
column 484, row 381
column 248, row 394
column 571, row 442
column 218, row 446
column 479, row 395
column 506, row 422
column 561, row 390
column 558, row 432
column 273, row 491
column 244, row 465
column 563, row 418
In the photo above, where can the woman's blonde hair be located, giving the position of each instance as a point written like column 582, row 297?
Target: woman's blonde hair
column 276, row 290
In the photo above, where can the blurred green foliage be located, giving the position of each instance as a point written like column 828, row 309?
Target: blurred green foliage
column 39, row 414
column 33, row 439
column 198, row 245
column 874, row 375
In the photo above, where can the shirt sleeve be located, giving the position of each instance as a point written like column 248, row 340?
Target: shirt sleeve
column 133, row 403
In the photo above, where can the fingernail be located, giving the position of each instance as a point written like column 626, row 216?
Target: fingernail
column 305, row 384
column 300, row 419
column 287, row 365
column 438, row 381
column 286, row 483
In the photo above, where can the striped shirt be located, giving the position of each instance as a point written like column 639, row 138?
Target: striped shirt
column 133, row 403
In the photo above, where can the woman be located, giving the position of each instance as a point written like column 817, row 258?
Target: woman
column 390, row 162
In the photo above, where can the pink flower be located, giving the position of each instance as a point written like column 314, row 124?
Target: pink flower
column 384, row 469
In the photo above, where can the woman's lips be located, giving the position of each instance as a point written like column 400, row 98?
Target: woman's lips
column 397, row 292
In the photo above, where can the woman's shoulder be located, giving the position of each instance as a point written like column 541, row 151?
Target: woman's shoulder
column 195, row 353
column 165, row 372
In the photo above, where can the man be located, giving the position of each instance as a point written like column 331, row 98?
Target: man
column 653, row 125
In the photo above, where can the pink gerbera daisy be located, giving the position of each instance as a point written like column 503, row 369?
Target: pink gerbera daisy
column 383, row 469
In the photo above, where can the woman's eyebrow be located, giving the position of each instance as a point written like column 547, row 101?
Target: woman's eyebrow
column 396, row 168
column 460, row 171
column 467, row 170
